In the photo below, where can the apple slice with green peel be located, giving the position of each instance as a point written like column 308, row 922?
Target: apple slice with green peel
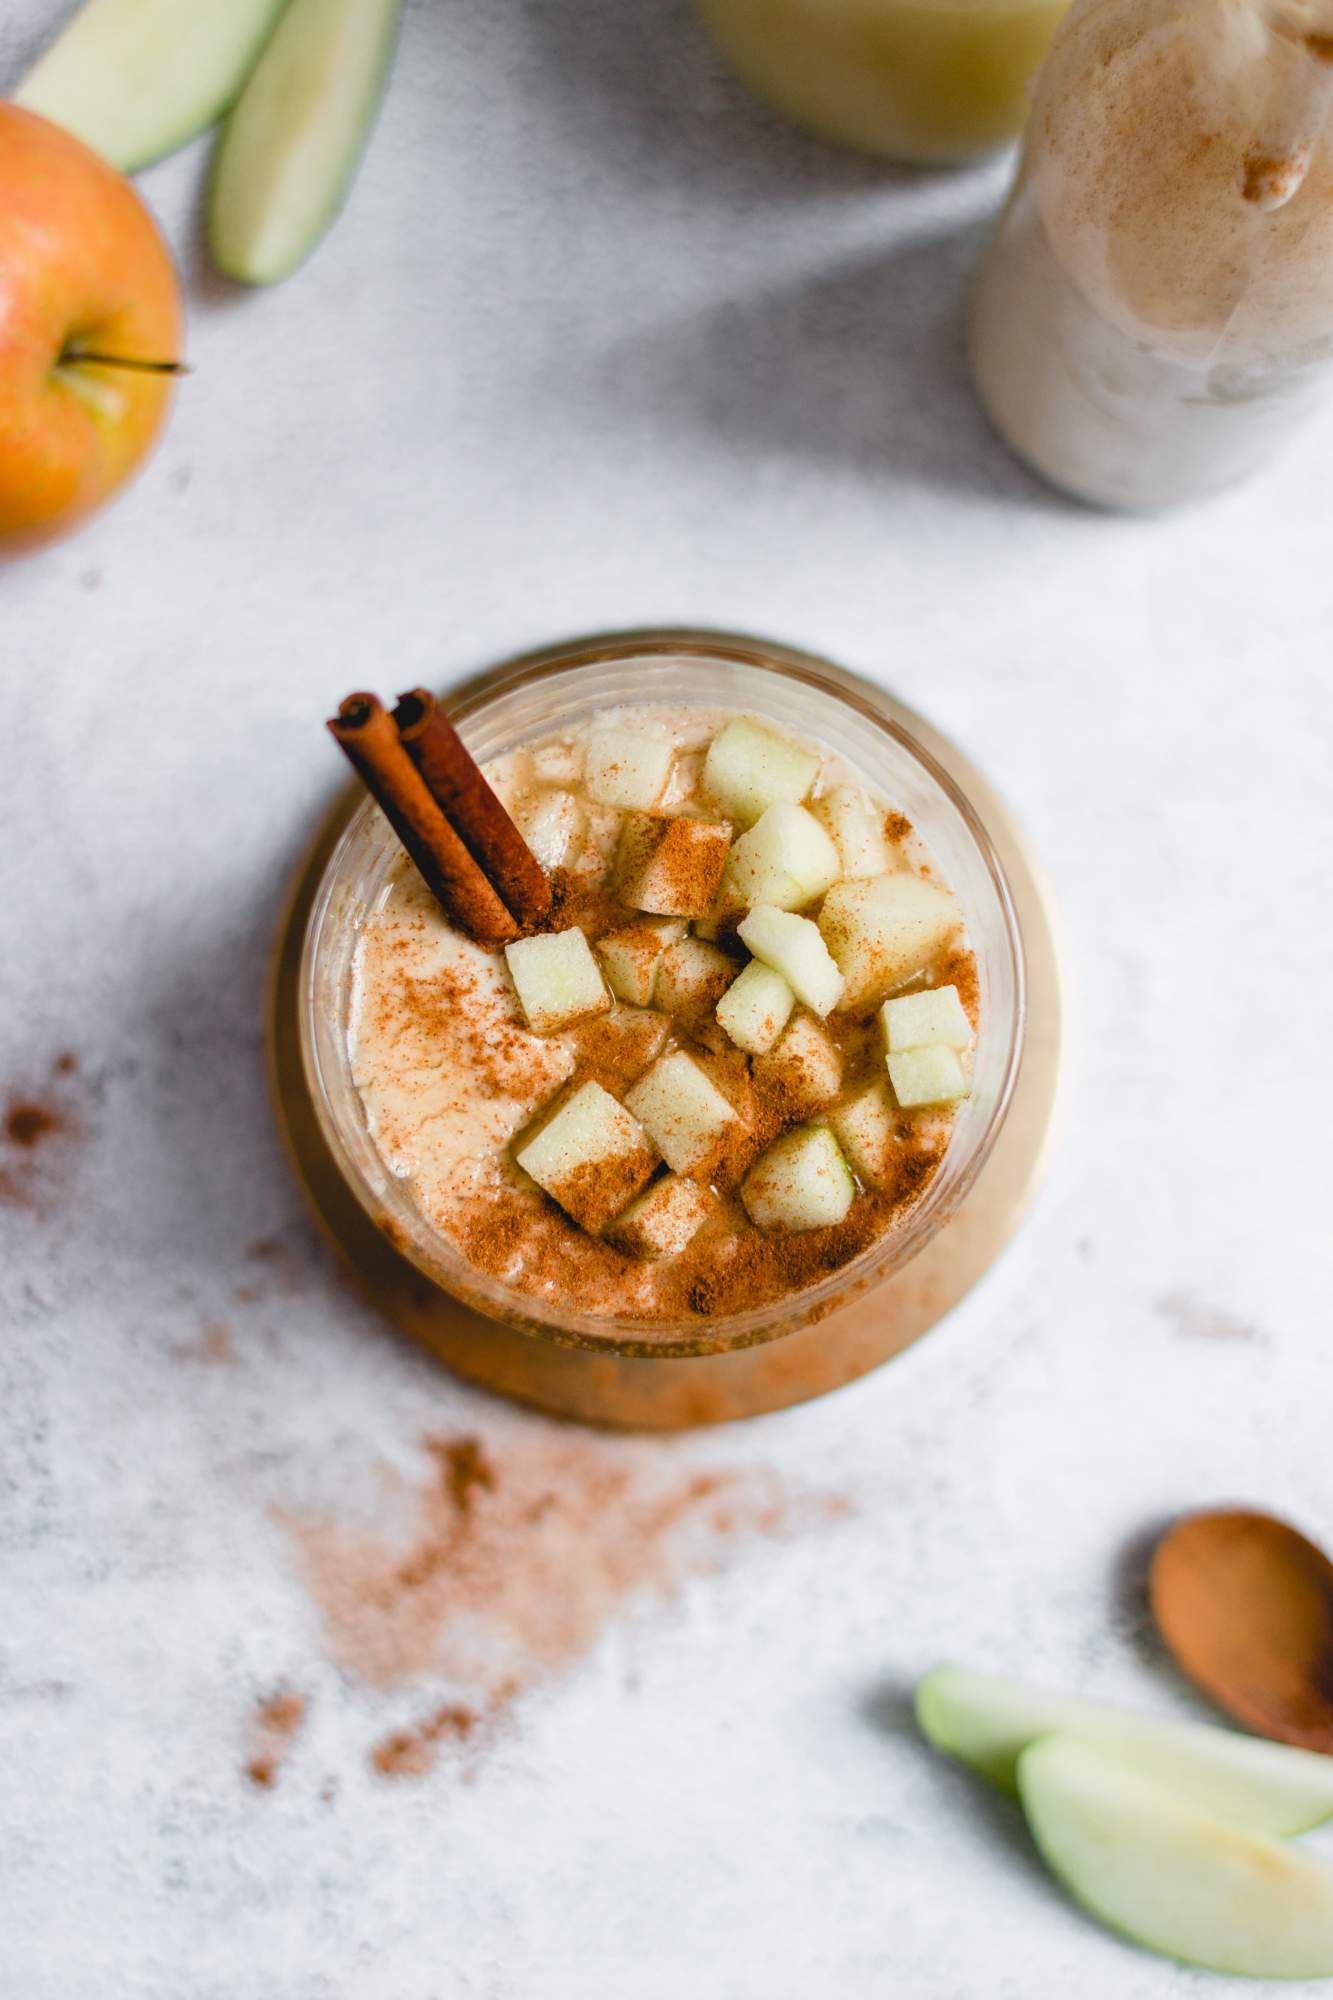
column 292, row 145
column 785, row 859
column 135, row 79
column 1168, row 1876
column 987, row 1721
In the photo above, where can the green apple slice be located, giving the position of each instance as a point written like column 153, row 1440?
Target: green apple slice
column 987, row 1722
column 135, row 79
column 1165, row 1874
column 292, row 145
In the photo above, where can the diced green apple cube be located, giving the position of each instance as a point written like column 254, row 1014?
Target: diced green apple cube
column 592, row 1157
column 756, row 1008
column 671, row 866
column 552, row 823
column 558, row 763
column 934, row 1018
column 867, row 1130
column 601, row 836
column 557, row 979
column 805, row 1068
column 749, row 767
column 626, row 767
column 692, row 978
column 927, row 1076
column 856, row 828
column 794, row 947
column 883, row 931
column 630, row 959
column 663, row 1220
column 688, row 1119
column 801, row 1182
column 785, row 859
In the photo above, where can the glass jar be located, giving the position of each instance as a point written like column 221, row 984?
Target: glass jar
column 1154, row 314
column 532, row 700
column 926, row 81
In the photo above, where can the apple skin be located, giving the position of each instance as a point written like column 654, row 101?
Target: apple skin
column 81, row 262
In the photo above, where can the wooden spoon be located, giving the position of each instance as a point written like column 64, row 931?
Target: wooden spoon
column 1245, row 1604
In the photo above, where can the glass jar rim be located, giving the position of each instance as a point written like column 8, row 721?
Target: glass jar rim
column 427, row 1248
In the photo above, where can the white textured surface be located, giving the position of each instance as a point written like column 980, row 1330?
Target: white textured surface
column 598, row 343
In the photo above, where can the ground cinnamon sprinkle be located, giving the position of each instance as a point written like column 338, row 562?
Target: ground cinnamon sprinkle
column 411, row 1753
column 615, row 1049
column 959, row 968
column 214, row 1344
column 276, row 1722
column 511, row 1573
column 38, row 1134
column 464, row 1465
column 516, row 1234
column 27, row 1124
column 594, row 1194
column 684, row 856
column 451, row 1013
column 587, row 901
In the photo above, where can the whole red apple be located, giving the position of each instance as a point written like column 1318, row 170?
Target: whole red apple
column 83, row 273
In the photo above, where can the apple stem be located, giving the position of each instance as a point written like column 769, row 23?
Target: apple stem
column 75, row 357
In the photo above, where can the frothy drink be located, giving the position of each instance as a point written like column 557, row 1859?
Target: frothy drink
column 726, row 1061
column 1155, row 312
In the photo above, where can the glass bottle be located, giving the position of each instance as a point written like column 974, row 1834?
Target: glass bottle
column 1154, row 314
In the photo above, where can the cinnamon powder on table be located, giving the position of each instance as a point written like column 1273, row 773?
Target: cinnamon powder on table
column 39, row 1129
column 518, row 1553
column 276, row 1722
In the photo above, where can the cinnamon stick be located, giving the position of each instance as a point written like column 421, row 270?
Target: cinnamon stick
column 455, row 782
column 367, row 734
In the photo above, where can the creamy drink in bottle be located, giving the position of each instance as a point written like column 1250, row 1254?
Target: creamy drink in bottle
column 1154, row 314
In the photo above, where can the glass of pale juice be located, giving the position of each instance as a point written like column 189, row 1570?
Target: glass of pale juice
column 930, row 82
